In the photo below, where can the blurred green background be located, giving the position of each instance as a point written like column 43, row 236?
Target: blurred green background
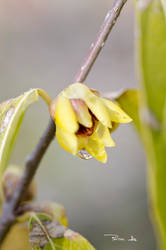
column 42, row 44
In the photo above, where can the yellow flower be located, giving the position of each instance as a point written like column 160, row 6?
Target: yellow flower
column 84, row 120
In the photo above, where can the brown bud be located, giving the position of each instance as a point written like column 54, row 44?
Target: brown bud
column 10, row 180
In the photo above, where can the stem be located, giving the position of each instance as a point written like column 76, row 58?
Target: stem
column 10, row 208
column 99, row 43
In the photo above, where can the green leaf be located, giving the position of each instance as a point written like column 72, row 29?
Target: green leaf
column 151, row 48
column 71, row 240
column 11, row 115
column 152, row 55
column 48, row 234
column 163, row 134
column 129, row 102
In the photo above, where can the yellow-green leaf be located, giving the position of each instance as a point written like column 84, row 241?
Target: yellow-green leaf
column 72, row 241
column 152, row 54
column 151, row 48
column 11, row 115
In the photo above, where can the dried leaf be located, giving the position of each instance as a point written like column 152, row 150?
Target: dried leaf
column 48, row 234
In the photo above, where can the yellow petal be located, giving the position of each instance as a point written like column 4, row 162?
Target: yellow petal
column 116, row 113
column 82, row 112
column 104, row 134
column 94, row 103
column 102, row 157
column 65, row 117
column 77, row 90
column 82, row 142
column 67, row 140
column 100, row 111
column 96, row 149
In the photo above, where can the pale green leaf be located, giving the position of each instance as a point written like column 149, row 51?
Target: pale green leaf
column 151, row 48
column 11, row 115
column 152, row 55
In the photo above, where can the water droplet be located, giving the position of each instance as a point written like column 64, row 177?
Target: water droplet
column 6, row 120
column 83, row 154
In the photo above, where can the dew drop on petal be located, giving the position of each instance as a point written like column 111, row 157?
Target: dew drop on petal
column 6, row 120
column 83, row 154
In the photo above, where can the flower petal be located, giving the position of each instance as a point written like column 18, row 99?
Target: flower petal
column 82, row 112
column 102, row 157
column 65, row 117
column 82, row 141
column 104, row 134
column 100, row 111
column 94, row 103
column 96, row 148
column 77, row 90
column 67, row 140
column 116, row 113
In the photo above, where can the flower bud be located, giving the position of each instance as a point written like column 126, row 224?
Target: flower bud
column 10, row 181
column 84, row 121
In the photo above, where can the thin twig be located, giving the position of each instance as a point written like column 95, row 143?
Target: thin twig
column 99, row 43
column 31, row 166
column 9, row 214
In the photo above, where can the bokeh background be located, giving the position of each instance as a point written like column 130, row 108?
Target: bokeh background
column 42, row 44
